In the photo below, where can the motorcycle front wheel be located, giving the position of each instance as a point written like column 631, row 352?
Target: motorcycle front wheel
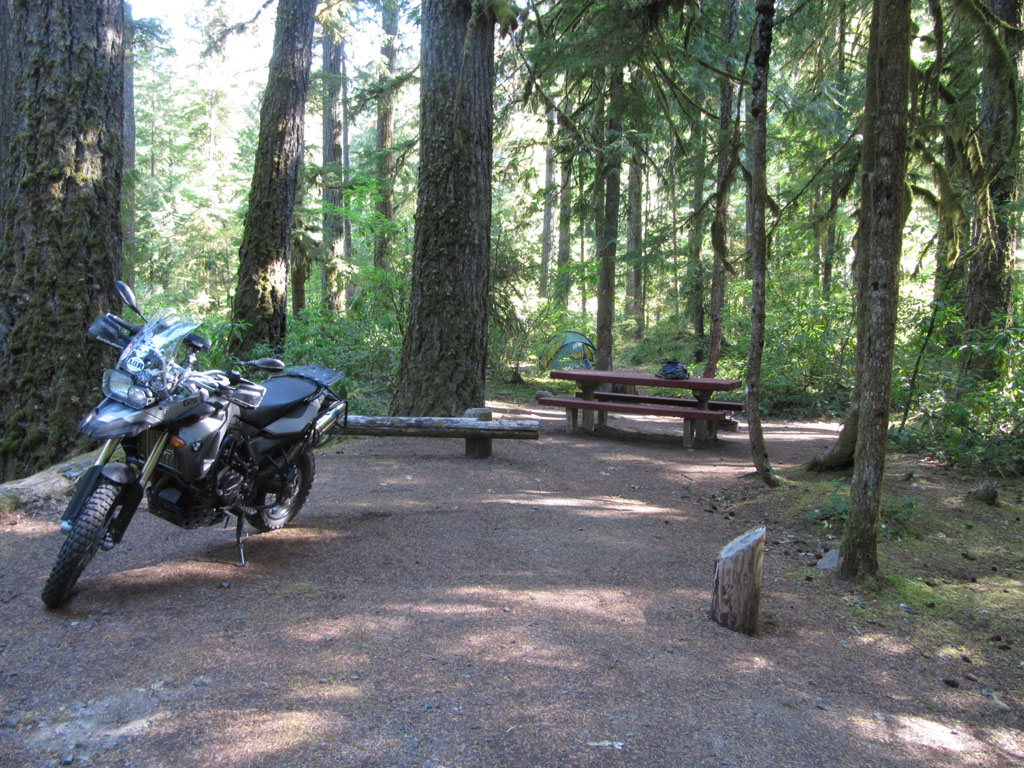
column 276, row 509
column 81, row 544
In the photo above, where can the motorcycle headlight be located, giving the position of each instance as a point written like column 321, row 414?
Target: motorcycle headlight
column 121, row 387
column 116, row 385
column 138, row 397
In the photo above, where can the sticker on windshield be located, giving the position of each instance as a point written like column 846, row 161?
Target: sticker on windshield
column 134, row 364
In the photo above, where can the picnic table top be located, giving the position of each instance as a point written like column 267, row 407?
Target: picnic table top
column 594, row 377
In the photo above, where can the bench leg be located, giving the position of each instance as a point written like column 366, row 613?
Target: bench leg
column 478, row 447
column 688, row 425
column 571, row 419
column 588, row 421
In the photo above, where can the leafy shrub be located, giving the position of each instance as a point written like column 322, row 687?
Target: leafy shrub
column 897, row 514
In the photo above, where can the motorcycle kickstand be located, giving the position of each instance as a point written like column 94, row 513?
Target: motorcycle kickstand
column 240, row 538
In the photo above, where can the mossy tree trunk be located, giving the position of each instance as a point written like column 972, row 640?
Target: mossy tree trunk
column 563, row 257
column 261, row 303
column 60, row 236
column 334, row 172
column 608, row 198
column 995, row 220
column 727, row 161
column 444, row 351
column 883, row 214
column 382, row 241
column 758, row 235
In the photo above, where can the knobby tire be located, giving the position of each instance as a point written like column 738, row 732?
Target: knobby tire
column 80, row 545
column 285, row 510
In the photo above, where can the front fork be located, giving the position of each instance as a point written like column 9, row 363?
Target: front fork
column 86, row 485
column 120, row 474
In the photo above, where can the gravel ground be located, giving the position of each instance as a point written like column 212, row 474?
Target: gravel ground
column 546, row 607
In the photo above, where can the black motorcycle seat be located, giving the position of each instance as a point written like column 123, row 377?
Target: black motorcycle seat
column 283, row 393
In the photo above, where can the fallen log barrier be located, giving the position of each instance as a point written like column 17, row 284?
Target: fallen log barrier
column 736, row 597
column 476, row 428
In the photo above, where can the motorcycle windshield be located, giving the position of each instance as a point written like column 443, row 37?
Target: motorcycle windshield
column 146, row 358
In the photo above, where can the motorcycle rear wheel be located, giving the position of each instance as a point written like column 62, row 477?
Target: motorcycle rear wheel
column 277, row 510
column 80, row 545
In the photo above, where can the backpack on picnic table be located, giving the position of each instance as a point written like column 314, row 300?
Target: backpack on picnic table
column 673, row 369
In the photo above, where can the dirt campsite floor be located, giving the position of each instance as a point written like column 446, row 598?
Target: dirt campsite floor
column 546, row 607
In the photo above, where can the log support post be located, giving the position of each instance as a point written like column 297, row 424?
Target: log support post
column 736, row 597
column 478, row 447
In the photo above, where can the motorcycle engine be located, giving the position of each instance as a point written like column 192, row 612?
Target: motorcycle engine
column 228, row 486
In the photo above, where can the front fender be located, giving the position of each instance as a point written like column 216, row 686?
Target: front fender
column 116, row 472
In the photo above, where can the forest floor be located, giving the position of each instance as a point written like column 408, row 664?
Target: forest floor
column 545, row 607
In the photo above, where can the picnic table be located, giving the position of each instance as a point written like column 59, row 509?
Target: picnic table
column 701, row 415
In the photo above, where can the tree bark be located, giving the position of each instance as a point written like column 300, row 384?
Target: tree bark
column 550, row 195
column 444, row 351
column 995, row 222
column 129, row 246
column 634, row 245
column 382, row 241
column 334, row 178
column 758, row 237
column 60, row 236
column 726, row 167
column 260, row 303
column 694, row 241
column 563, row 259
column 883, row 201
column 608, row 222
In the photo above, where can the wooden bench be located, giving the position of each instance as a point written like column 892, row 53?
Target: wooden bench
column 690, row 416
column 621, row 397
column 476, row 428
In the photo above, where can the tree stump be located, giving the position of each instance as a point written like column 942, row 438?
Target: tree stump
column 478, row 447
column 736, row 597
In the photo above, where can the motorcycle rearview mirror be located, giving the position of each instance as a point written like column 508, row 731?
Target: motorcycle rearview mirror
column 271, row 364
column 128, row 297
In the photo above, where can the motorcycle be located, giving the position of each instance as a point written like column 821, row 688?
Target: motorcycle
column 200, row 446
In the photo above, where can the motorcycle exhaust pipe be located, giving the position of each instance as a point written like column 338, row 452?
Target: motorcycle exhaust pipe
column 329, row 418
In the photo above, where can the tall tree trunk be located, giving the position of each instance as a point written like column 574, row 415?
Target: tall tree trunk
column 300, row 274
column 694, row 241
column 563, row 273
column 832, row 234
column 758, row 237
column 550, row 194
column 883, row 213
column 346, row 175
column 995, row 195
column 608, row 223
column 720, row 223
column 7, row 116
column 129, row 248
column 382, row 242
column 333, row 196
column 60, row 236
column 260, row 305
column 444, row 352
column 634, row 244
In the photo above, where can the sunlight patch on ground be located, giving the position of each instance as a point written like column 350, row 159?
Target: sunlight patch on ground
column 603, row 604
column 591, row 506
column 259, row 738
column 887, row 644
column 752, row 665
column 1009, row 740
column 921, row 732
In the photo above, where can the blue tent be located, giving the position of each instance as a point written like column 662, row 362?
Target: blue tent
column 567, row 350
